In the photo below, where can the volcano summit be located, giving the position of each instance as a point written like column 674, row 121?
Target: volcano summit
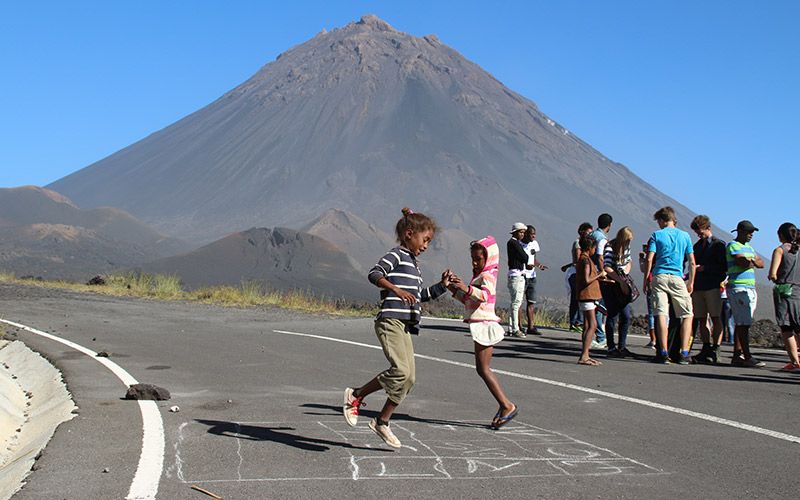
column 367, row 119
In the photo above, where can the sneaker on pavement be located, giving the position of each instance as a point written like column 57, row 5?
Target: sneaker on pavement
column 791, row 367
column 651, row 345
column 519, row 334
column 625, row 353
column 576, row 328
column 661, row 360
column 598, row 345
column 702, row 358
column 737, row 360
column 614, row 353
column 753, row 363
column 683, row 360
column 350, row 407
column 385, row 433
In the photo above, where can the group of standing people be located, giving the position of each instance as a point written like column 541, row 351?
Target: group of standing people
column 687, row 287
column 684, row 284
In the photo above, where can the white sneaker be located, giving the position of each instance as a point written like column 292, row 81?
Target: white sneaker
column 350, row 407
column 385, row 433
column 598, row 345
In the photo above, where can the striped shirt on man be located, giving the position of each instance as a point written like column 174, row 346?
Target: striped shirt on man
column 740, row 276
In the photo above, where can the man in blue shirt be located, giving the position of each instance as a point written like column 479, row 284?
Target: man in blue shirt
column 667, row 250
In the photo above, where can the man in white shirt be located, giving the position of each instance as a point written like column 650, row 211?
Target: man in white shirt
column 531, row 247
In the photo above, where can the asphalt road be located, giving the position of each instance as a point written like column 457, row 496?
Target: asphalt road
column 260, row 392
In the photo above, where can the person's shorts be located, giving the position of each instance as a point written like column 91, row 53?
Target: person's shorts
column 589, row 305
column 707, row 303
column 530, row 290
column 743, row 305
column 787, row 309
column 668, row 288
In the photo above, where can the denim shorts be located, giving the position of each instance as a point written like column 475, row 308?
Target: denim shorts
column 743, row 305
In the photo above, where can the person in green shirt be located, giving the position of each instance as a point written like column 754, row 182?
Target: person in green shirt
column 742, row 262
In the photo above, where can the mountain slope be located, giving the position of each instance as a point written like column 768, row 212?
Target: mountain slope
column 280, row 258
column 43, row 233
column 368, row 119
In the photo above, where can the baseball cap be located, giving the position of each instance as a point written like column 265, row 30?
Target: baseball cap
column 745, row 226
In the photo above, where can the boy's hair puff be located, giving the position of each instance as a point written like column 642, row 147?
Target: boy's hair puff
column 700, row 222
column 665, row 214
column 413, row 221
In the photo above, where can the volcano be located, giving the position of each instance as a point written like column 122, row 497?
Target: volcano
column 364, row 120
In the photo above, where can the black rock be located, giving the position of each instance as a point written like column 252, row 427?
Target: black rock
column 147, row 391
column 97, row 280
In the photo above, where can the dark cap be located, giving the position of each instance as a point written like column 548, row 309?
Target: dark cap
column 745, row 226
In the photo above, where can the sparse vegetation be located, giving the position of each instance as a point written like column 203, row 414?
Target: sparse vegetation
column 253, row 293
column 168, row 287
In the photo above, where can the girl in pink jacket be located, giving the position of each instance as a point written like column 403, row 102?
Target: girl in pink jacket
column 479, row 298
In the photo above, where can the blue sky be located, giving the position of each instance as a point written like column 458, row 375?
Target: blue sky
column 698, row 98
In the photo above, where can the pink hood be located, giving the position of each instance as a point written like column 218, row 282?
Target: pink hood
column 492, row 255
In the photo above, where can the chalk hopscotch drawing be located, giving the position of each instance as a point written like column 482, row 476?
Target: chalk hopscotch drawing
column 461, row 450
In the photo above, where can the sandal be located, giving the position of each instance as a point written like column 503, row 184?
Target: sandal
column 589, row 362
column 496, row 416
column 501, row 421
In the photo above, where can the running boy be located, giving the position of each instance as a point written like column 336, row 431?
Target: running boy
column 400, row 280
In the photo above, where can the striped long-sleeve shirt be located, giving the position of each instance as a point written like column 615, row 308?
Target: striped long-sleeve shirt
column 400, row 267
column 610, row 259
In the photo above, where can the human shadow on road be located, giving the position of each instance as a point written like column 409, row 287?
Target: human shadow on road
column 275, row 434
column 337, row 410
column 770, row 379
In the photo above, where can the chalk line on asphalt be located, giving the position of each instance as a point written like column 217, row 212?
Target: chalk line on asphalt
column 643, row 402
column 151, row 461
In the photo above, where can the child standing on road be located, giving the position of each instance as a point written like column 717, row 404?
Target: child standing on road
column 479, row 298
column 400, row 280
column 587, row 286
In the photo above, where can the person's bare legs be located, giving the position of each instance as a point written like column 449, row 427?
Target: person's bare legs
column 589, row 326
column 483, row 360
column 373, row 385
column 662, row 334
column 705, row 334
column 790, row 343
column 716, row 330
column 686, row 332
column 742, row 337
column 530, row 312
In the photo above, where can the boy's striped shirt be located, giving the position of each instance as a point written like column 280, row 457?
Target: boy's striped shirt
column 400, row 267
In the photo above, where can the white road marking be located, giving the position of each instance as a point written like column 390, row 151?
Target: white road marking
column 151, row 461
column 644, row 402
